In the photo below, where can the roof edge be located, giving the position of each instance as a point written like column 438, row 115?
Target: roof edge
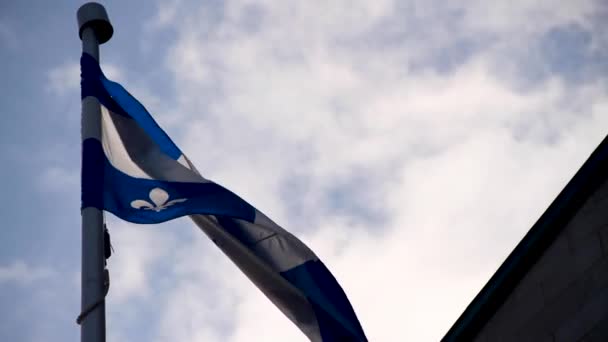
column 491, row 297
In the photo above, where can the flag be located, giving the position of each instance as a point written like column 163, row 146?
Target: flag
column 136, row 172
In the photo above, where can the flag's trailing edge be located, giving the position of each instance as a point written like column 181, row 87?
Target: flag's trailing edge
column 137, row 173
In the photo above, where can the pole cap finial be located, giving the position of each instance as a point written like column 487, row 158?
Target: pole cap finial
column 94, row 15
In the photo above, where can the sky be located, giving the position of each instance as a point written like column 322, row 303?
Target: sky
column 410, row 144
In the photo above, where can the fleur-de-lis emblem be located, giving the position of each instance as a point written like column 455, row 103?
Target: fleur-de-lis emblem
column 159, row 199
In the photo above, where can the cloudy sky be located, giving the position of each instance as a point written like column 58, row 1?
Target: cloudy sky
column 410, row 144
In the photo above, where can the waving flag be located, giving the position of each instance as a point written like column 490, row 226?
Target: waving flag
column 137, row 173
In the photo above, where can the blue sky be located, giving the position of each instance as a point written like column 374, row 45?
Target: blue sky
column 411, row 144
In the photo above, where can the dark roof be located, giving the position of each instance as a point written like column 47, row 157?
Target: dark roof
column 584, row 183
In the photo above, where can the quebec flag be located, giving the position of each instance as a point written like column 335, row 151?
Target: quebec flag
column 136, row 172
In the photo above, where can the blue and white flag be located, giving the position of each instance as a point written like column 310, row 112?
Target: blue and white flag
column 136, row 172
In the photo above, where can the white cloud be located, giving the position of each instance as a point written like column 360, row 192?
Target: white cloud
column 138, row 250
column 527, row 16
column 306, row 109
column 58, row 179
column 198, row 297
column 64, row 79
column 23, row 274
column 165, row 14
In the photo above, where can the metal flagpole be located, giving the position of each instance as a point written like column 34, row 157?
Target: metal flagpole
column 94, row 29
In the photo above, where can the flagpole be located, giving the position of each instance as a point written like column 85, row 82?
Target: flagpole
column 94, row 29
